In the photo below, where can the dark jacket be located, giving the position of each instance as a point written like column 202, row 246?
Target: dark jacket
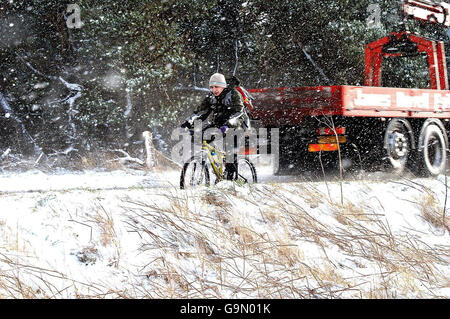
column 226, row 109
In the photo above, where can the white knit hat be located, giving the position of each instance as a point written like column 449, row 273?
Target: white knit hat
column 218, row 79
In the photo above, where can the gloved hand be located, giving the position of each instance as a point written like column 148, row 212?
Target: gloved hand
column 224, row 128
column 185, row 125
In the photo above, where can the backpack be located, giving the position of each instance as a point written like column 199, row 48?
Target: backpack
column 233, row 82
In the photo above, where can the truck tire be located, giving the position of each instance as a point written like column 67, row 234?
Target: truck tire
column 433, row 145
column 398, row 145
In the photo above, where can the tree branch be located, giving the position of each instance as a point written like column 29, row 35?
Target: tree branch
column 8, row 110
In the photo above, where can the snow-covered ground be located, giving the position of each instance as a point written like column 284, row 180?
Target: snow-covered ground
column 135, row 234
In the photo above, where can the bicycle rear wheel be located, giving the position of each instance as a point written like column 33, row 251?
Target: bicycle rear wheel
column 246, row 172
column 194, row 173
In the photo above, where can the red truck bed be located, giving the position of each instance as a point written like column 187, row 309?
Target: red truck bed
column 288, row 105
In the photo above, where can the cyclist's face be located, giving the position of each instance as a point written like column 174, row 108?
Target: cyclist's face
column 216, row 90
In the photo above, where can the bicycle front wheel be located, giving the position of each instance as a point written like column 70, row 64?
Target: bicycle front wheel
column 246, row 172
column 194, row 173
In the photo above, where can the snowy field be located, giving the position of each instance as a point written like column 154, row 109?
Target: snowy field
column 134, row 234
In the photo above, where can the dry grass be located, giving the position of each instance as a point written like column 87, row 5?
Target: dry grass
column 251, row 263
column 432, row 211
column 267, row 241
column 21, row 280
column 108, row 237
column 100, row 158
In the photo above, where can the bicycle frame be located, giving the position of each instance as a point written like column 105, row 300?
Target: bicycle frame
column 216, row 158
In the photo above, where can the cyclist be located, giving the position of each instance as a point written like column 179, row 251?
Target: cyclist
column 224, row 107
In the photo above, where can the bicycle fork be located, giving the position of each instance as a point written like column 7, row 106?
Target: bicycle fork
column 216, row 159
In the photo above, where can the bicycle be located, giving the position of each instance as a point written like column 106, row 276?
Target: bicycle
column 195, row 171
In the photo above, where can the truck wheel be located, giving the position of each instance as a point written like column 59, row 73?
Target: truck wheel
column 433, row 145
column 398, row 145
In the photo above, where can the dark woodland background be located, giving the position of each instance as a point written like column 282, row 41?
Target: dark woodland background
column 134, row 65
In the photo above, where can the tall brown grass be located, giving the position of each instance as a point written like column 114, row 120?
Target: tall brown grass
column 259, row 241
